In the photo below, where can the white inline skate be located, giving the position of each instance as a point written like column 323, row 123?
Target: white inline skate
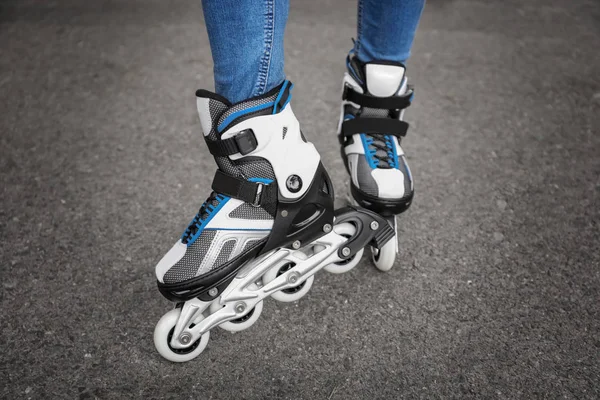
column 267, row 228
column 374, row 98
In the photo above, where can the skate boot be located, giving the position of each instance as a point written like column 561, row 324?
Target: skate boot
column 375, row 96
column 270, row 190
column 264, row 231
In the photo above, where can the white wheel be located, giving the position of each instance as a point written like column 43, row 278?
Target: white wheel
column 345, row 230
column 293, row 293
column 385, row 257
column 345, row 265
column 245, row 321
column 163, row 333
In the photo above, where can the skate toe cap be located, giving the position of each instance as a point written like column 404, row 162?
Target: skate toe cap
column 170, row 259
column 390, row 183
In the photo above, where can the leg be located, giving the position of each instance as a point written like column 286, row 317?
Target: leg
column 374, row 98
column 246, row 40
column 270, row 190
column 386, row 29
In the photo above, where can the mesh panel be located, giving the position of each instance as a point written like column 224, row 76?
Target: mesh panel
column 187, row 267
column 375, row 113
column 366, row 182
column 227, row 166
column 224, row 254
column 245, row 105
column 216, row 108
column 247, row 211
column 249, row 245
column 256, row 168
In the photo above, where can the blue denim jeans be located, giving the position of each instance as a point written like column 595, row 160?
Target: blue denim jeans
column 246, row 39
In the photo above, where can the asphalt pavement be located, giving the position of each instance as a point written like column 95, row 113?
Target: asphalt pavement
column 495, row 293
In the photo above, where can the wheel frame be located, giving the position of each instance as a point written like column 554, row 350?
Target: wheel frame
column 285, row 296
column 241, row 323
column 346, row 230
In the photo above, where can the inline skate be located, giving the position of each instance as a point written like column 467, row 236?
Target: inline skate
column 265, row 230
column 370, row 129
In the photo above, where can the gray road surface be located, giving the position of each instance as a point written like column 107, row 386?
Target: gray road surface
column 495, row 293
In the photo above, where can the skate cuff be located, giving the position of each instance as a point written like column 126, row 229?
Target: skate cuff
column 257, row 194
column 373, row 125
column 243, row 143
column 386, row 103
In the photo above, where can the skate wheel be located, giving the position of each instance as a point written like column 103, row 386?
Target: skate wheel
column 385, row 257
column 346, row 230
column 245, row 321
column 163, row 333
column 345, row 265
column 293, row 293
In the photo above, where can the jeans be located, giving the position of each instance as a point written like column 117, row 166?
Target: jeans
column 246, row 40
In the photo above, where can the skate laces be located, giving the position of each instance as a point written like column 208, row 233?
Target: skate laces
column 382, row 150
column 207, row 208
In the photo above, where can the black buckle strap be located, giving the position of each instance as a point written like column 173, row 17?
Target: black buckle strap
column 243, row 142
column 387, row 103
column 256, row 193
column 386, row 126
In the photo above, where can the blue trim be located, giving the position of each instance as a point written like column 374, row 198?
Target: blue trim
column 211, row 211
column 261, row 180
column 237, row 114
column 285, row 83
column 234, row 229
column 392, row 153
column 369, row 152
column 288, row 98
